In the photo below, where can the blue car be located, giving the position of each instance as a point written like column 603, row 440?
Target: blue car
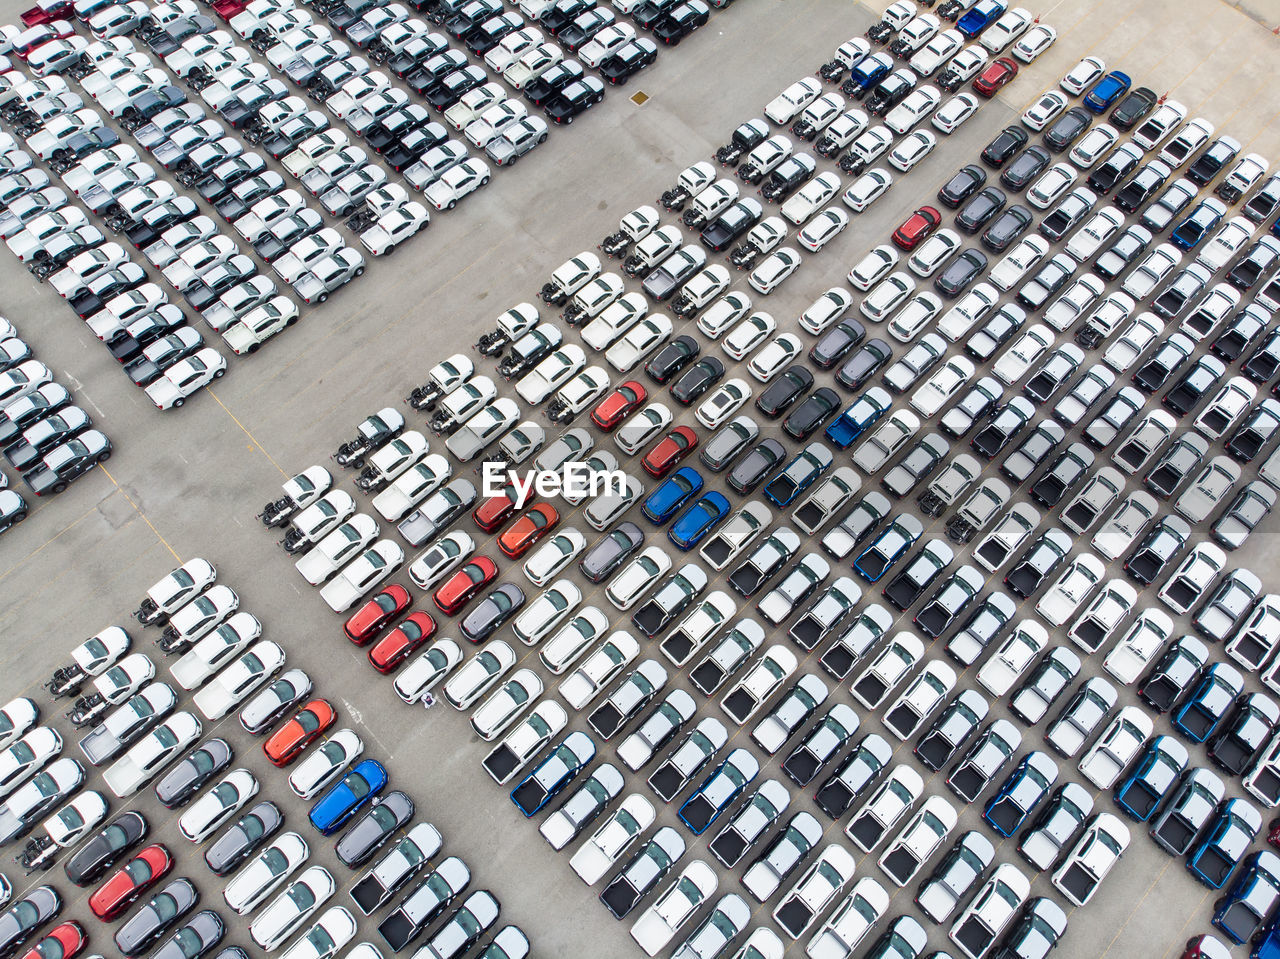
column 1154, row 775
column 719, row 790
column 983, row 14
column 860, row 416
column 889, row 547
column 1199, row 223
column 698, row 519
column 1107, row 91
column 676, row 490
column 1209, row 702
column 1251, row 898
column 869, row 71
column 554, row 773
column 798, row 475
column 1022, row 791
column 1214, row 858
column 347, row 796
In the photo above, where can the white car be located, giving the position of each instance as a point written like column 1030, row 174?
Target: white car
column 297, row 903
column 612, row 838
column 814, row 891
column 639, row 341
column 873, row 267
column 1103, row 616
column 479, row 674
column 553, row 556
column 149, row 755
column 868, row 188
column 395, row 227
column 935, row 251
column 1034, row 42
column 217, row 805
column 1071, row 589
column 261, row 323
column 889, row 437
column 525, row 740
column 674, row 907
column 245, row 674
column 605, row 43
column 640, row 574
column 941, row 386
column 572, row 639
column 1098, row 849
column 442, row 558
column 1089, row 237
column 826, row 310
column 1124, row 526
column 456, row 183
column 889, row 668
column 724, row 313
column 1094, row 145
column 822, row 229
column 362, row 574
column 1133, row 341
column 1159, row 123
column 1179, row 151
column 265, row 872
column 615, row 319
column 1118, row 746
column 334, row 929
column 775, row 268
column 23, row 759
column 735, row 534
column 770, row 360
column 186, row 377
column 764, row 678
column 328, row 556
column 723, row 403
column 1188, row 584
column 917, row 105
column 969, row 310
column 1013, row 657
column 784, row 108
column 504, row 706
column 1208, row 490
column 991, row 910
column 1050, row 186
column 1044, row 111
column 1083, row 75
column 1014, row 363
column 1018, row 262
column 599, row 669
column 917, row 841
column 545, row 612
column 846, row 928
column 810, row 198
column 954, row 112
column 911, row 150
column 325, row 763
column 1139, row 646
column 1007, row 29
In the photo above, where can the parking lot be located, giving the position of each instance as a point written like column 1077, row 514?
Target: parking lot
column 189, row 483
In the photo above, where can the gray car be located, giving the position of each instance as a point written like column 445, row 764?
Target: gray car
column 373, row 828
column 608, row 554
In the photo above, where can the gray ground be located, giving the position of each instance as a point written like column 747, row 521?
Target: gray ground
column 189, row 483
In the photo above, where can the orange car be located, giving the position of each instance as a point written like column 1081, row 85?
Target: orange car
column 310, row 723
column 536, row 522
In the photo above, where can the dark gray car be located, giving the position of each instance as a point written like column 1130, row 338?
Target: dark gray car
column 239, row 841
column 24, row 916
column 373, row 828
column 155, row 918
column 492, row 611
column 197, row 937
column 611, row 551
column 198, row 767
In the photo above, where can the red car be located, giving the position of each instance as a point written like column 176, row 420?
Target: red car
column 227, row 9
column 916, row 227
column 618, row 405
column 39, row 35
column 496, row 510
column 366, row 621
column 462, row 587
column 394, row 648
column 997, row 74
column 310, row 723
column 47, row 10
column 536, row 522
column 63, row 941
column 1206, row 947
column 1273, row 833
column 668, row 451
column 130, row 881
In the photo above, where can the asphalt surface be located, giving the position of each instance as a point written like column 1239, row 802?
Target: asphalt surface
column 190, row 482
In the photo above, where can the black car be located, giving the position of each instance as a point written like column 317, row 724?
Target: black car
column 650, row 12
column 1162, row 364
column 721, row 232
column 1136, row 104
column 1185, row 395
column 1006, row 228
column 204, row 931
column 756, row 465
column 1211, row 162
column 853, row 777
column 25, row 915
column 1008, row 142
column 681, row 21
column 1026, row 166
column 492, row 612
column 609, row 552
column 1265, row 361
column 107, row 847
column 562, row 13
column 1142, row 186
column 1067, row 129
column 891, row 91
column 450, row 90
column 1172, row 675
column 791, row 384
column 553, row 81
column 697, row 380
column 243, row 837
column 1151, row 559
column 967, row 181
column 836, row 343
column 373, row 828
column 574, row 99
column 153, row 920
column 1258, row 259
column 395, row 125
column 186, row 778
column 1245, row 327
column 172, row 37
column 1118, row 164
column 411, row 147
column 787, row 177
column 858, row 369
column 484, row 36
column 415, row 53
column 981, row 210
column 672, row 358
column 960, row 272
column 1064, row 217
column 628, row 60
column 812, row 414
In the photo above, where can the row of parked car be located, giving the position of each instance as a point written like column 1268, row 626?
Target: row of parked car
column 44, row 436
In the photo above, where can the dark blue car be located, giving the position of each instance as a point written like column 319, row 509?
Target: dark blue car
column 1026, row 786
column 698, row 520
column 1199, row 222
column 889, row 547
column 347, row 796
column 1154, row 775
column 858, row 417
column 719, row 790
column 554, row 773
column 983, row 14
column 1209, row 702
column 870, row 71
column 798, row 475
column 676, row 490
column 1214, row 858
column 1251, row 899
column 1107, row 91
